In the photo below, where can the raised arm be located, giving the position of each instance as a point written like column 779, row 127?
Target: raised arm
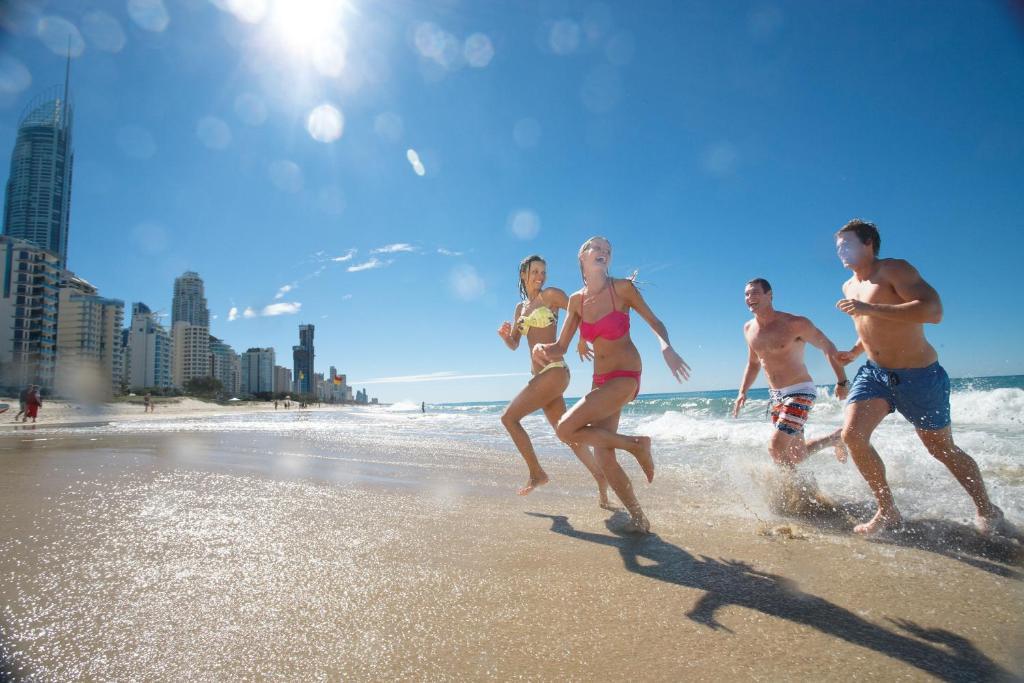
column 509, row 331
column 816, row 338
column 749, row 375
column 630, row 294
column 921, row 303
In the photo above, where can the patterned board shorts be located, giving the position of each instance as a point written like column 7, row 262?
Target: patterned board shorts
column 789, row 412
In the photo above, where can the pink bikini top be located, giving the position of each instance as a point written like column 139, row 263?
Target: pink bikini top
column 610, row 327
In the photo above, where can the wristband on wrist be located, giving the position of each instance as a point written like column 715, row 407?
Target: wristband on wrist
column 843, row 383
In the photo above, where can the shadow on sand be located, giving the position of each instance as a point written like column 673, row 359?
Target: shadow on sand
column 941, row 653
column 940, row 536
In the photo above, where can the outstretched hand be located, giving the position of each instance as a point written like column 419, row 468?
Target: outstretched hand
column 738, row 404
column 680, row 370
column 585, row 350
column 505, row 331
column 845, row 357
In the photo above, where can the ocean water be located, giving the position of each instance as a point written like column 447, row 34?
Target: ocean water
column 700, row 450
column 696, row 438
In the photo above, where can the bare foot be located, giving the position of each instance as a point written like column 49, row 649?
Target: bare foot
column 602, row 497
column 534, row 482
column 841, row 451
column 990, row 524
column 880, row 522
column 642, row 452
column 637, row 524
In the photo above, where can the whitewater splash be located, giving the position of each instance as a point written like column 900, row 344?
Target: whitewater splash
column 699, row 448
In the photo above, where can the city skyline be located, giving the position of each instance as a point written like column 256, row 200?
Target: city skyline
column 386, row 191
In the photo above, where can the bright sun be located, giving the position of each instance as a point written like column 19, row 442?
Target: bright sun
column 306, row 25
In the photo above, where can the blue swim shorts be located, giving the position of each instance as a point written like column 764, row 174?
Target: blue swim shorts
column 920, row 394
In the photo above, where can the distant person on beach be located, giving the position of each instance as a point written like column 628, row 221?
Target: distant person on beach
column 23, row 401
column 600, row 311
column 32, row 404
column 776, row 341
column 423, row 407
column 147, row 402
column 890, row 302
column 536, row 316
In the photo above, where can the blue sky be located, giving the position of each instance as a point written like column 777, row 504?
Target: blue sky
column 710, row 142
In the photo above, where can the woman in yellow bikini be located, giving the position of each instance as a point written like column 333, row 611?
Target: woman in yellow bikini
column 535, row 317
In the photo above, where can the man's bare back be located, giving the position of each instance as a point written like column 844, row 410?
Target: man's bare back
column 893, row 340
column 779, row 345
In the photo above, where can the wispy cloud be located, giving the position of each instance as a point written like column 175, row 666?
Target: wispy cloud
column 248, row 312
column 284, row 290
column 346, row 297
column 444, row 376
column 283, row 308
column 347, row 256
column 233, row 313
column 393, row 248
column 374, row 262
column 448, row 252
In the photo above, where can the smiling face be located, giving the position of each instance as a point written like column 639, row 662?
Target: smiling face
column 756, row 298
column 534, row 276
column 595, row 255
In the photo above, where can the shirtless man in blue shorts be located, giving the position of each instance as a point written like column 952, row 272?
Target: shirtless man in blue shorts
column 890, row 302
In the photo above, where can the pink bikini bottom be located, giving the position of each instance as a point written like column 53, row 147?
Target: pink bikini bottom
column 605, row 376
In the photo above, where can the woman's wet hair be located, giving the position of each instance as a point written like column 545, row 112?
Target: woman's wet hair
column 524, row 268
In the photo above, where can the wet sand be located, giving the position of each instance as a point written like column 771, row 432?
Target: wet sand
column 227, row 556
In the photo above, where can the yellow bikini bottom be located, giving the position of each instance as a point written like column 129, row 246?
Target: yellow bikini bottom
column 549, row 366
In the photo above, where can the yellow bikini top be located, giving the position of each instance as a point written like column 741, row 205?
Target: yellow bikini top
column 539, row 317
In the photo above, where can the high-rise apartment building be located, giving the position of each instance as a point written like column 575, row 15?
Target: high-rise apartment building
column 282, row 379
column 37, row 204
column 189, row 303
column 148, row 358
column 89, row 357
column 225, row 366
column 258, row 371
column 29, row 296
column 303, row 361
column 190, row 352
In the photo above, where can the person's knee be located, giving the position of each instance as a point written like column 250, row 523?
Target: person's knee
column 854, row 438
column 565, row 431
column 509, row 419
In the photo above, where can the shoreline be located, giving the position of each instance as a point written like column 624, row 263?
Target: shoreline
column 62, row 413
column 215, row 554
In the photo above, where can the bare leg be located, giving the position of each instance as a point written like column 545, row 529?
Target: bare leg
column 619, row 480
column 939, row 443
column 554, row 412
column 861, row 420
column 534, row 396
column 787, row 450
column 581, row 423
column 835, row 439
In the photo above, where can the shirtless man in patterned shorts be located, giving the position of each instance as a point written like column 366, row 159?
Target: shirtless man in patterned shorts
column 776, row 342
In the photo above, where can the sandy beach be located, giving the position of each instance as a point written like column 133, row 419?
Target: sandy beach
column 223, row 552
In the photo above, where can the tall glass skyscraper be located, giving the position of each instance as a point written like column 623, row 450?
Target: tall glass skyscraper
column 189, row 304
column 37, row 205
column 302, row 356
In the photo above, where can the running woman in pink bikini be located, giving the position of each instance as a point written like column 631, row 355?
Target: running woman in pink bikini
column 535, row 316
column 601, row 312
